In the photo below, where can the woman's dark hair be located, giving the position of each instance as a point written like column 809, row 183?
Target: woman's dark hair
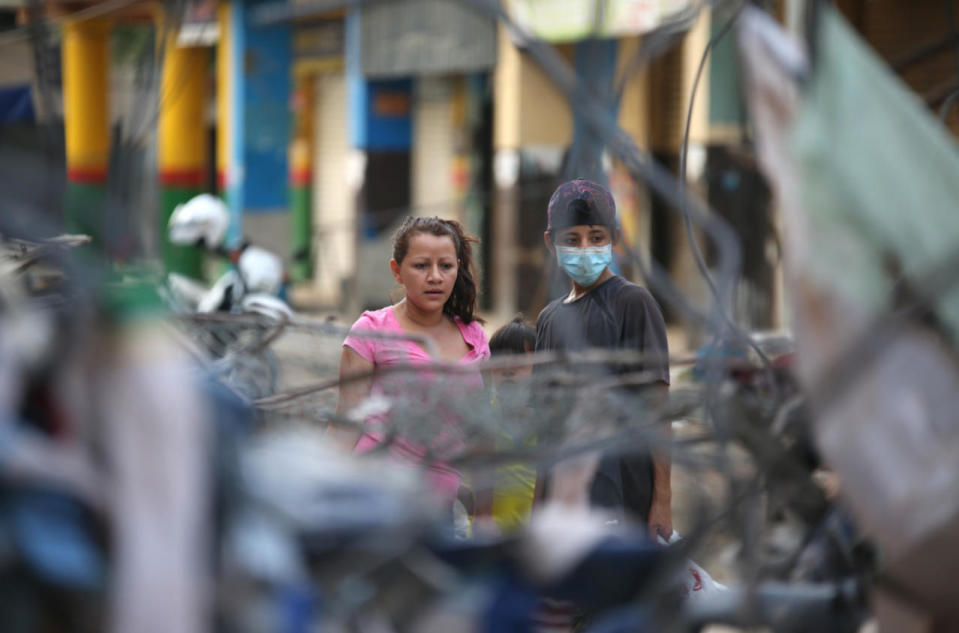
column 516, row 337
column 462, row 301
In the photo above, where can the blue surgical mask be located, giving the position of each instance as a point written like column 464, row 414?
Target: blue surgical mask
column 584, row 265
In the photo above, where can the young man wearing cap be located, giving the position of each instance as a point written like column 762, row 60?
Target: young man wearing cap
column 603, row 310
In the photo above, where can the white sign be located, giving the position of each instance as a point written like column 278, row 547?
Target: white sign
column 571, row 20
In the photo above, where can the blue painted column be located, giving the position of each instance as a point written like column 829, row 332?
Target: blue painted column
column 236, row 170
column 595, row 62
column 355, row 81
column 268, row 71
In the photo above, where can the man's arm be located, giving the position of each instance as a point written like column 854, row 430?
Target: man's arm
column 660, row 510
column 643, row 313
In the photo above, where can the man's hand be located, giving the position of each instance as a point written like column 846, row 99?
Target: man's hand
column 660, row 520
column 660, row 512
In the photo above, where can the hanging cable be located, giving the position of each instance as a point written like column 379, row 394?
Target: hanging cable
column 684, row 151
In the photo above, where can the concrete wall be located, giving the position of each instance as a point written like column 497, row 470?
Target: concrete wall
column 17, row 66
column 334, row 213
column 529, row 110
column 270, row 231
column 434, row 136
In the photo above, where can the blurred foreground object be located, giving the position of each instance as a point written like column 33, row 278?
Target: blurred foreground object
column 104, row 475
column 866, row 182
column 156, row 420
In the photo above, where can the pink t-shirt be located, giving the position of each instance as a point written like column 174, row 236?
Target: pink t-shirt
column 426, row 388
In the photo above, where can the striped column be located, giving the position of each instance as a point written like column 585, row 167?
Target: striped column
column 300, row 161
column 86, row 120
column 183, row 145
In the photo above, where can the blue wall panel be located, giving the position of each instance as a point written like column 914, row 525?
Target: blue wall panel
column 268, row 59
column 389, row 115
column 380, row 110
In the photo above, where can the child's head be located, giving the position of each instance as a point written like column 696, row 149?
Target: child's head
column 581, row 229
column 516, row 337
column 581, row 203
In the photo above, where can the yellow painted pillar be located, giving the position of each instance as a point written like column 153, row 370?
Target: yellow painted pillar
column 224, row 97
column 86, row 120
column 693, row 46
column 183, row 143
column 632, row 201
column 634, row 104
column 507, row 109
column 461, row 166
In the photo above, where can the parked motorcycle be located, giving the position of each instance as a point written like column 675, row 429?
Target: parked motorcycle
column 252, row 288
column 203, row 221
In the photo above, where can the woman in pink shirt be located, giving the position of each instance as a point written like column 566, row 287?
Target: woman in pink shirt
column 433, row 261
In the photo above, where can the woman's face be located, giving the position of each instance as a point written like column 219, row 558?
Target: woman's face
column 428, row 271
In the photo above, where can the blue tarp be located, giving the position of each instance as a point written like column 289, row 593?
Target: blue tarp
column 16, row 104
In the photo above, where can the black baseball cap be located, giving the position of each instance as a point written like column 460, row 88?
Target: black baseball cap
column 579, row 202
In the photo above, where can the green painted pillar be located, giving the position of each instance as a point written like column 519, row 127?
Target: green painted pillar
column 300, row 161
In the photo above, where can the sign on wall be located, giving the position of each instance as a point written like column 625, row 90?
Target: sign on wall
column 419, row 37
column 319, row 40
column 199, row 25
column 572, row 20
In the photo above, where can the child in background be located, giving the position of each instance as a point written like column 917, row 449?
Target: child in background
column 514, row 483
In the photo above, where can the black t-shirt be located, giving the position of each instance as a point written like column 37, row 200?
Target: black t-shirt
column 616, row 314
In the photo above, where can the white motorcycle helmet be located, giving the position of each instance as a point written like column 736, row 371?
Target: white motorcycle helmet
column 260, row 270
column 201, row 218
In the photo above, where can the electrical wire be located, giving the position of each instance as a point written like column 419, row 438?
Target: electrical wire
column 97, row 10
column 594, row 114
column 683, row 155
column 660, row 179
column 640, row 165
column 714, row 368
column 655, row 43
